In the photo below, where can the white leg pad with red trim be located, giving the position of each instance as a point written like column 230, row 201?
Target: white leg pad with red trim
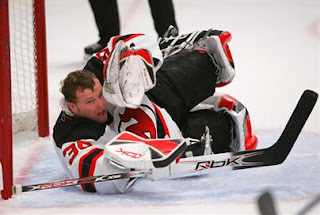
column 243, row 138
column 217, row 48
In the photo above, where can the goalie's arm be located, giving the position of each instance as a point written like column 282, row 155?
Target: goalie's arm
column 85, row 158
column 127, row 66
column 73, row 152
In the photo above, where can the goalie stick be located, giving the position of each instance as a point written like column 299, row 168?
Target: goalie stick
column 17, row 188
column 273, row 155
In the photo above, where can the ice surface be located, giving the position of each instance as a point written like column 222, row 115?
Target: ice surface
column 276, row 48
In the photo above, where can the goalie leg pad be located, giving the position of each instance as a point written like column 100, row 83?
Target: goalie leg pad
column 241, row 131
column 212, row 42
column 216, row 46
column 244, row 139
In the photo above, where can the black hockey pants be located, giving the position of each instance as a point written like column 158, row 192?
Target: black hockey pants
column 184, row 80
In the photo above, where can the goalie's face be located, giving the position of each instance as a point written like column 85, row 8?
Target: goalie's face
column 91, row 104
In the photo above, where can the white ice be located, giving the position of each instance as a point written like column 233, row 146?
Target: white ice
column 275, row 45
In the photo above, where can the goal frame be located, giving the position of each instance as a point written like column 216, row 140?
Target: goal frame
column 5, row 87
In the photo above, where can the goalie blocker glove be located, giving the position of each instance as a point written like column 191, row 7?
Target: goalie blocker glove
column 155, row 157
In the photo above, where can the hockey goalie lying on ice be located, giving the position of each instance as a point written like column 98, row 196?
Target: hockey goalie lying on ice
column 149, row 90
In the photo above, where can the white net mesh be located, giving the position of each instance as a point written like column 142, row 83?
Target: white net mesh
column 23, row 73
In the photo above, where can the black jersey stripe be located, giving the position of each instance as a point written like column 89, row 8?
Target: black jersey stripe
column 87, row 166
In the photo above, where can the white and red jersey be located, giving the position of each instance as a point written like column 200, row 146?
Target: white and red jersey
column 84, row 155
column 148, row 121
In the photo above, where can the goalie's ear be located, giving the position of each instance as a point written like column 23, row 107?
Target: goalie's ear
column 72, row 107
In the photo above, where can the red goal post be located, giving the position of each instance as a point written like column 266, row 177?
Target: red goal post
column 38, row 66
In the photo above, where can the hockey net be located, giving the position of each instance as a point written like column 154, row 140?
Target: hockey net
column 23, row 90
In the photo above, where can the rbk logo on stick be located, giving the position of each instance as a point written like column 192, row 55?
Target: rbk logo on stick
column 235, row 161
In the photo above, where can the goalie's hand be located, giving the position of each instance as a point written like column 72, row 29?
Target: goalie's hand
column 128, row 74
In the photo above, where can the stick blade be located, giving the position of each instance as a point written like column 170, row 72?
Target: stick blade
column 279, row 151
column 294, row 126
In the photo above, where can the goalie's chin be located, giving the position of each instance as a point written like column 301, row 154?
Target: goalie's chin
column 102, row 116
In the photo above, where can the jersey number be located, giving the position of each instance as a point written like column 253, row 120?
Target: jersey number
column 73, row 150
